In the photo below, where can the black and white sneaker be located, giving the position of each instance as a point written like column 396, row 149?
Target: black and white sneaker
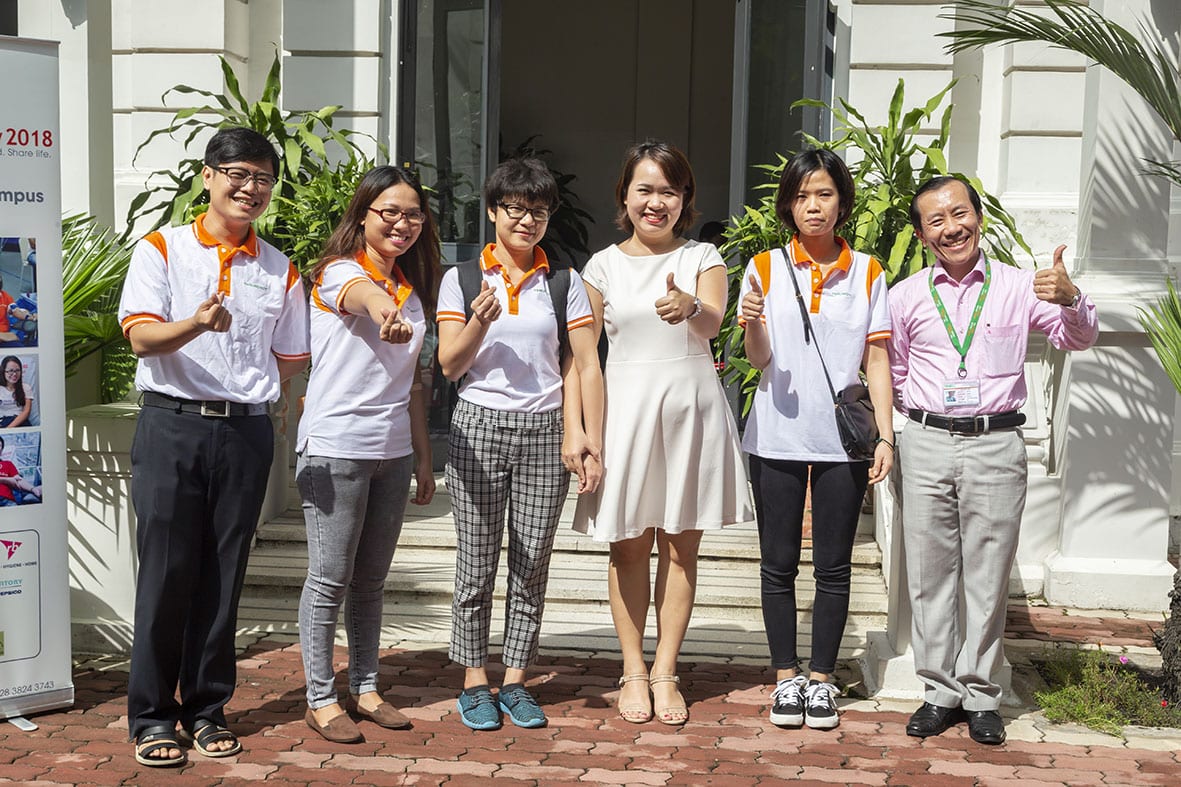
column 787, row 702
column 821, row 705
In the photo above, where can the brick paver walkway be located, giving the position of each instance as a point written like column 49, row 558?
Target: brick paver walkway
column 727, row 742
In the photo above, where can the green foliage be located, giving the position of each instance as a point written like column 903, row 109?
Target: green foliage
column 309, row 146
column 1087, row 687
column 893, row 162
column 1139, row 61
column 1162, row 323
column 567, row 235
column 94, row 264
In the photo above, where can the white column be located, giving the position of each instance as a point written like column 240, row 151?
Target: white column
column 1118, row 406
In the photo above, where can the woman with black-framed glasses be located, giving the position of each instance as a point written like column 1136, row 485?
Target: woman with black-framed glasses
column 504, row 340
column 363, row 434
column 16, row 400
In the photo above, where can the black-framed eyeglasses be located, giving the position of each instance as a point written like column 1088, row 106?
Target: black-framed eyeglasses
column 239, row 177
column 517, row 212
column 12, row 371
column 393, row 215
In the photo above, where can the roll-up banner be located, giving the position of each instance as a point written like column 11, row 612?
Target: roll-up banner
column 35, row 663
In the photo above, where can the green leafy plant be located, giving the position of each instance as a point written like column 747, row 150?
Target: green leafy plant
column 1089, row 687
column 1146, row 67
column 890, row 165
column 94, row 264
column 310, row 148
column 567, row 235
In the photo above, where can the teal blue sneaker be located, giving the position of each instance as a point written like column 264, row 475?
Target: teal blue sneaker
column 477, row 708
column 520, row 706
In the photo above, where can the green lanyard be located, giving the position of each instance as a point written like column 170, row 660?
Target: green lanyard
column 962, row 349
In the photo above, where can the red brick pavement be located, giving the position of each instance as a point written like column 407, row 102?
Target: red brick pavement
column 727, row 742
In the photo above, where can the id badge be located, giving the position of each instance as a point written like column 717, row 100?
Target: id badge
column 961, row 393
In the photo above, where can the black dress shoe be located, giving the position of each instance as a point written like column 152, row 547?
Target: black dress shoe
column 931, row 720
column 986, row 726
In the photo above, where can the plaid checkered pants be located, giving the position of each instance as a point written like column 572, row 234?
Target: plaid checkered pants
column 497, row 461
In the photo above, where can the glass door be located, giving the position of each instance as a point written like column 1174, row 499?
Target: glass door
column 782, row 53
column 449, row 111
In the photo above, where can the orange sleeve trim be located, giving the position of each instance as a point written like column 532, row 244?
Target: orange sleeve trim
column 157, row 240
column 292, row 276
column 348, row 285
column 587, row 320
column 742, row 321
column 298, row 357
column 451, row 317
column 875, row 270
column 877, row 336
column 132, row 320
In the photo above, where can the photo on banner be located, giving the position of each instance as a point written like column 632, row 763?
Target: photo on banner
column 20, row 468
column 18, row 292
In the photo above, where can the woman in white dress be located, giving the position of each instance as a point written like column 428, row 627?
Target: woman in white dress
column 672, row 466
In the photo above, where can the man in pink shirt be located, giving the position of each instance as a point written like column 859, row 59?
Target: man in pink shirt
column 957, row 353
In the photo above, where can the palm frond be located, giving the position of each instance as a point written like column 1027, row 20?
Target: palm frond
column 1162, row 323
column 1143, row 65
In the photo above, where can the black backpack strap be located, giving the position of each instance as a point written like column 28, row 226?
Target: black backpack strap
column 558, row 281
column 470, row 275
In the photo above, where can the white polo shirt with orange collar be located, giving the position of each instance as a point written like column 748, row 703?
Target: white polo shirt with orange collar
column 173, row 270
column 791, row 417
column 358, row 400
column 516, row 368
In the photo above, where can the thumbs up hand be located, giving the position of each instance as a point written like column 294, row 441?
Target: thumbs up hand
column 675, row 305
column 485, row 306
column 753, row 301
column 1053, row 284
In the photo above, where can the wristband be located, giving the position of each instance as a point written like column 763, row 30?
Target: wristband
column 884, row 440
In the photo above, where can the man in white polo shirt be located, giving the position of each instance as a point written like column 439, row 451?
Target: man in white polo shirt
column 218, row 319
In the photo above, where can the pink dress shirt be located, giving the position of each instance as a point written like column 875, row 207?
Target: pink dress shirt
column 922, row 356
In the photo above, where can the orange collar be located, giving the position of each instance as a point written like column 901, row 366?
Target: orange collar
column 843, row 261
column 249, row 246
column 399, row 289
column 489, row 262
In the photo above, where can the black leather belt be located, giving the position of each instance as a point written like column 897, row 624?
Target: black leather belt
column 970, row 424
column 213, row 409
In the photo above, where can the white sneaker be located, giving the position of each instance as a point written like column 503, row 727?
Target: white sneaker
column 787, row 701
column 821, row 705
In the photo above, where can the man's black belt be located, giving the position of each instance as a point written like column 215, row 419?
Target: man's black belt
column 212, row 408
column 970, row 424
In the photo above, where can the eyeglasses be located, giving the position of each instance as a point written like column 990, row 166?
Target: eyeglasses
column 393, row 215
column 517, row 212
column 12, row 371
column 239, row 177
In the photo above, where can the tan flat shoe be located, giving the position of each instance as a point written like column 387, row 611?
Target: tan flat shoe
column 339, row 729
column 636, row 712
column 384, row 715
column 673, row 715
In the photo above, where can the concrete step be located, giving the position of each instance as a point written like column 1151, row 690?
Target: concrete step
column 727, row 617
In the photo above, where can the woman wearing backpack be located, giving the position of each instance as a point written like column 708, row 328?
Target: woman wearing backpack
column 506, row 447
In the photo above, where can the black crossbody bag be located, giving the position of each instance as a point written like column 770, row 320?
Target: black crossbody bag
column 854, row 411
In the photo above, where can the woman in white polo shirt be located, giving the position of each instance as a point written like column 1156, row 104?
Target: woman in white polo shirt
column 363, row 433
column 506, row 444
column 791, row 434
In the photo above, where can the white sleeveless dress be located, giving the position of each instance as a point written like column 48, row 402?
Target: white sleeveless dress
column 671, row 457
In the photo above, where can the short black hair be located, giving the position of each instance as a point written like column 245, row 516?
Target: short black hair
column 799, row 167
column 240, row 144
column 936, row 183
column 710, row 229
column 525, row 178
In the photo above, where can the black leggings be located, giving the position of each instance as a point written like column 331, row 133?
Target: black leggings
column 837, row 491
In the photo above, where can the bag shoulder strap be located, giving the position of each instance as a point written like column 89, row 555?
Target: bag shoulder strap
column 809, row 333
column 558, row 281
column 470, row 275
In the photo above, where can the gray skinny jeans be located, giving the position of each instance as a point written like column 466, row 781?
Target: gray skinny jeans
column 353, row 509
